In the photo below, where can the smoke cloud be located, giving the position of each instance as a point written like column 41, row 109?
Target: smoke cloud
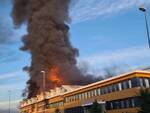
column 48, row 42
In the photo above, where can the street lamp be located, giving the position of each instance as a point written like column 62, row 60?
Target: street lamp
column 9, row 94
column 44, row 73
column 143, row 9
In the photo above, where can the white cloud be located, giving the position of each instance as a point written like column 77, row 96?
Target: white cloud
column 14, row 104
column 10, row 75
column 12, row 86
column 123, row 56
column 82, row 10
column 12, row 80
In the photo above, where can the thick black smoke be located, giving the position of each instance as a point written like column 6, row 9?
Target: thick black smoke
column 48, row 42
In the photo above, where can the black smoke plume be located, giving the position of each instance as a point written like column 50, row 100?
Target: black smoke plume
column 48, row 42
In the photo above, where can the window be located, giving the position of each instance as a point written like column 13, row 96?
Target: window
column 135, row 82
column 130, row 84
column 137, row 102
column 74, row 110
column 115, row 87
column 76, row 97
column 119, row 85
column 105, row 90
column 131, row 103
column 66, row 99
column 89, row 95
column 108, row 106
column 109, row 89
column 92, row 93
column 117, row 104
column 98, row 91
column 80, row 97
column 125, row 85
column 95, row 92
column 141, row 82
column 71, row 99
column 127, row 103
column 146, row 80
column 114, row 105
column 86, row 95
column 122, row 104
column 102, row 91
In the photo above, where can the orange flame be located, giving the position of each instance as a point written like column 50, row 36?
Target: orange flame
column 54, row 76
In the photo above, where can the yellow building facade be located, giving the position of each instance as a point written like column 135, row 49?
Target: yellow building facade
column 118, row 94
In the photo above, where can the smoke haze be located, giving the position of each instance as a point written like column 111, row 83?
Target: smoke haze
column 48, row 42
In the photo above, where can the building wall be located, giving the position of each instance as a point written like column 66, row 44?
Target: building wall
column 117, row 90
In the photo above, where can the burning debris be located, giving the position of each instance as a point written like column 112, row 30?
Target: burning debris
column 48, row 43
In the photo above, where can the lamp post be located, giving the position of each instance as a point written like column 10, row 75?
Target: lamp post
column 143, row 9
column 9, row 94
column 44, row 73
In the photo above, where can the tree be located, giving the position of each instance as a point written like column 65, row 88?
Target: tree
column 57, row 111
column 144, row 99
column 96, row 107
column 113, row 70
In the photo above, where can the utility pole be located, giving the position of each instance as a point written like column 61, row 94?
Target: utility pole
column 143, row 9
column 9, row 95
column 44, row 74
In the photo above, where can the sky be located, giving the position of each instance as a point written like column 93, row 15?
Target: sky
column 106, row 32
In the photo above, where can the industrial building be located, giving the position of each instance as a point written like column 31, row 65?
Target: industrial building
column 118, row 94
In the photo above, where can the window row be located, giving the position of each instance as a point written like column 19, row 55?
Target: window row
column 56, row 104
column 75, row 110
column 141, row 82
column 86, row 95
column 131, row 83
column 116, row 87
column 122, row 103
